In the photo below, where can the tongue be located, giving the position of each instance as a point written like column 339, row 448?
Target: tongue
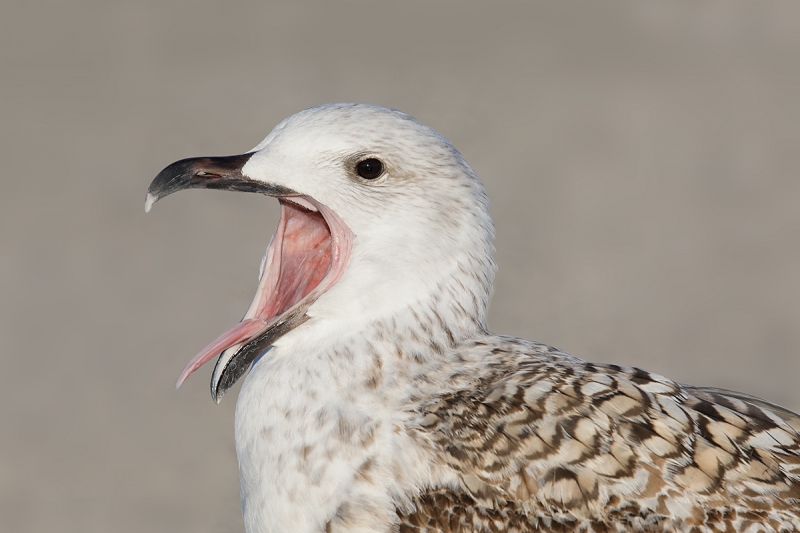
column 238, row 334
column 298, row 258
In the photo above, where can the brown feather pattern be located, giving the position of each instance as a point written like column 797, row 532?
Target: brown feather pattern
column 543, row 441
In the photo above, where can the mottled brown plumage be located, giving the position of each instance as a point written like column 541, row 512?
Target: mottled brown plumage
column 547, row 442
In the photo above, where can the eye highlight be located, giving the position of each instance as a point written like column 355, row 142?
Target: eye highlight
column 369, row 169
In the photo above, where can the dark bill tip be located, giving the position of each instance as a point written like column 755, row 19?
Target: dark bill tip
column 230, row 368
column 223, row 173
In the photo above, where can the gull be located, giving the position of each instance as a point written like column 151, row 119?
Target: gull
column 376, row 400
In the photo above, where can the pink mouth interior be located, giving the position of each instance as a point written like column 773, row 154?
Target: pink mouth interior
column 304, row 251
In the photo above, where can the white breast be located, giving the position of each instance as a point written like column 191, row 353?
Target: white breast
column 319, row 442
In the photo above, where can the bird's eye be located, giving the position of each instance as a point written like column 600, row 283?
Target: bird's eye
column 369, row 169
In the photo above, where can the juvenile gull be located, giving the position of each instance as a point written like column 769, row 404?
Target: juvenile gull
column 381, row 403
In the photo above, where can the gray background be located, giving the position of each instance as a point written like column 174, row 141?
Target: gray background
column 642, row 161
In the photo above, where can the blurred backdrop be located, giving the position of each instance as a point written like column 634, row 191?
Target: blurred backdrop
column 641, row 158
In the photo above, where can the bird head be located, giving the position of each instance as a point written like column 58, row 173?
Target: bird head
column 378, row 212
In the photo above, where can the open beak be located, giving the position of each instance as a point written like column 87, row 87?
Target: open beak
column 306, row 257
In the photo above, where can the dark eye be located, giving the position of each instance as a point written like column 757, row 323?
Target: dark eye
column 369, row 169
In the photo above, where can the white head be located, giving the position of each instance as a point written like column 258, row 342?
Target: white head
column 416, row 215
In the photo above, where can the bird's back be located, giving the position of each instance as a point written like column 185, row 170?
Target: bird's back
column 544, row 441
